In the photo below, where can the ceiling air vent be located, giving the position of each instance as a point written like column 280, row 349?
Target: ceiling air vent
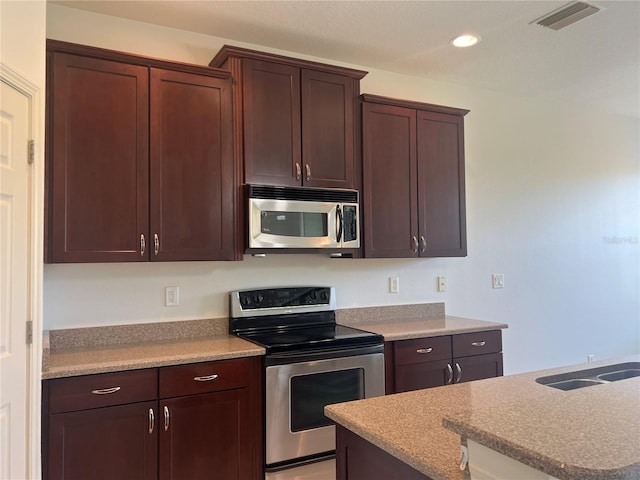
column 567, row 15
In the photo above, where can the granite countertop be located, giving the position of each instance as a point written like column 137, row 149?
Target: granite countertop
column 402, row 322
column 417, row 328
column 586, row 433
column 83, row 351
column 86, row 351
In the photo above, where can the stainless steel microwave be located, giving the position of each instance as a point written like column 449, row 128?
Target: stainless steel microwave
column 302, row 218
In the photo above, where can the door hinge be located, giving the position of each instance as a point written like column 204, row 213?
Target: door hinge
column 32, row 152
column 29, row 332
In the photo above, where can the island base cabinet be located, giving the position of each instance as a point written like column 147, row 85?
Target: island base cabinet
column 199, row 438
column 108, row 443
column 357, row 459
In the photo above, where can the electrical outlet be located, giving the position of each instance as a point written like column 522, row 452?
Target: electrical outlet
column 171, row 298
column 497, row 280
column 394, row 284
column 590, row 358
column 441, row 283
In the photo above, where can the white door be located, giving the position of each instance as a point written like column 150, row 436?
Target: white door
column 15, row 240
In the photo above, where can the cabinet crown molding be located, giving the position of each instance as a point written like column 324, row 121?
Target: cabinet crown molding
column 230, row 51
column 141, row 60
column 367, row 97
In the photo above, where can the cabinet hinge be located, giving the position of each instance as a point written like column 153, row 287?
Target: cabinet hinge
column 32, row 152
column 29, row 332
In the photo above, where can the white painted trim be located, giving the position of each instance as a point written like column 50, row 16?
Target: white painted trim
column 36, row 199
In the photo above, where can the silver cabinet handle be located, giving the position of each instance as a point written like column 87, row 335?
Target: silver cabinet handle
column 206, row 378
column 423, row 244
column 424, row 350
column 415, row 244
column 298, row 171
column 156, row 244
column 449, row 374
column 143, row 245
column 478, row 344
column 458, row 372
column 307, row 168
column 166, row 418
column 105, row 391
column 152, row 420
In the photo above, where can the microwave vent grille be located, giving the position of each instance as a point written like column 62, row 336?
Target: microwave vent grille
column 271, row 192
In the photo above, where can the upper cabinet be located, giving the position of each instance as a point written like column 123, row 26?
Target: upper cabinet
column 297, row 121
column 139, row 159
column 413, row 179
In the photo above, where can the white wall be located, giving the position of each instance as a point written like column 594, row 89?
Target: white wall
column 552, row 203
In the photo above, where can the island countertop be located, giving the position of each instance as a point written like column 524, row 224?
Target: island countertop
column 586, row 433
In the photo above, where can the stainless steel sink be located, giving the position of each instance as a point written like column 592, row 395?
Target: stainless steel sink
column 592, row 376
column 573, row 384
column 620, row 374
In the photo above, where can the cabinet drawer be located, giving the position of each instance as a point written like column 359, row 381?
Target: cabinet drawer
column 203, row 377
column 477, row 343
column 102, row 390
column 421, row 350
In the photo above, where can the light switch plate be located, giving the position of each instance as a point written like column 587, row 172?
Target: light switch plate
column 497, row 280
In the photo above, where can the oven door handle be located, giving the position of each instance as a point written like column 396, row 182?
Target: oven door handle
column 273, row 359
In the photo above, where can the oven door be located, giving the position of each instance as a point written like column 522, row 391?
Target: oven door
column 297, row 393
column 293, row 224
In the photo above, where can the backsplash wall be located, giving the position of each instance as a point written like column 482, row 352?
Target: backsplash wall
column 552, row 203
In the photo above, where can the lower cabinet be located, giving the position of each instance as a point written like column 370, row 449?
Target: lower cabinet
column 196, row 421
column 103, row 443
column 436, row 361
column 358, row 459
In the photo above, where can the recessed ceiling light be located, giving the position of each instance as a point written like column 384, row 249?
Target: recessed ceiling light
column 465, row 40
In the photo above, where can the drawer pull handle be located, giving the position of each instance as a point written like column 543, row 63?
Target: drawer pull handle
column 424, row 350
column 105, row 391
column 458, row 373
column 206, row 378
column 152, row 420
column 449, row 374
column 166, row 418
column 479, row 344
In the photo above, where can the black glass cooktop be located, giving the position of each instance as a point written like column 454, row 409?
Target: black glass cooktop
column 318, row 337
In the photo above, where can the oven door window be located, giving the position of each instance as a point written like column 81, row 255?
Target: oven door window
column 294, row 224
column 311, row 393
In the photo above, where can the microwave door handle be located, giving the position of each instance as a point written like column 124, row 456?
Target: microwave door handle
column 338, row 224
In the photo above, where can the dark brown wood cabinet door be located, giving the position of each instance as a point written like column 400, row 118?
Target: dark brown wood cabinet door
column 422, row 375
column 112, row 443
column 192, row 180
column 205, row 436
column 328, row 151
column 389, row 191
column 441, row 184
column 271, row 112
column 358, row 459
column 98, row 158
column 477, row 367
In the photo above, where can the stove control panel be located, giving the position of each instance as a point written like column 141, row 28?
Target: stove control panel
column 270, row 301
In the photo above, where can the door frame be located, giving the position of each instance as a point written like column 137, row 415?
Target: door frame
column 35, row 264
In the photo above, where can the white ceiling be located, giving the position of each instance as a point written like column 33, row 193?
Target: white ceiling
column 596, row 60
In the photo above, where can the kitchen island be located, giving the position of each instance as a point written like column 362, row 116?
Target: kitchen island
column 587, row 433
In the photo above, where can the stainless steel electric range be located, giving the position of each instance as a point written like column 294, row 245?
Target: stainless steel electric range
column 310, row 362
